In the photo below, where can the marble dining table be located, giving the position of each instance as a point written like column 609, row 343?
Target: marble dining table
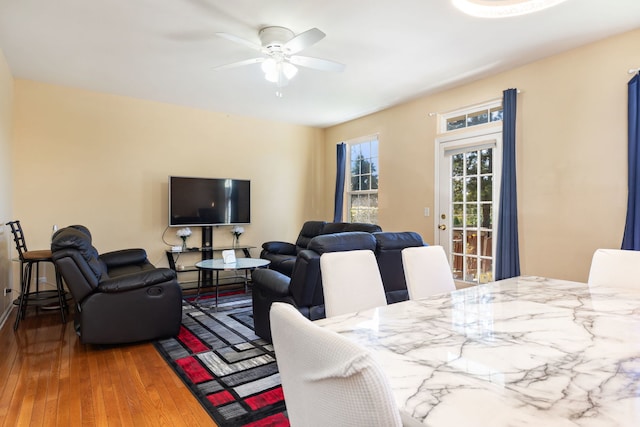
column 526, row 351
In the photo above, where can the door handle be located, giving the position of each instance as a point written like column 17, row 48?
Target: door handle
column 442, row 226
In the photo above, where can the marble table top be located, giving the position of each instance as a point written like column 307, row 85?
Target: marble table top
column 526, row 351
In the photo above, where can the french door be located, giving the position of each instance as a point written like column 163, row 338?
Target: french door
column 468, row 183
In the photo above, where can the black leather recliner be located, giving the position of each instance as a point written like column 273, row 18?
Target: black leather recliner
column 304, row 288
column 120, row 296
column 388, row 252
column 283, row 254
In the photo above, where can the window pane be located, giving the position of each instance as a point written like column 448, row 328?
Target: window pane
column 472, row 163
column 363, row 176
column 374, row 164
column 365, row 150
column 355, row 166
column 486, row 161
column 456, row 122
column 374, row 148
column 364, row 208
column 478, row 118
column 496, row 114
column 457, row 164
column 355, row 151
column 365, row 182
column 363, row 165
column 355, row 183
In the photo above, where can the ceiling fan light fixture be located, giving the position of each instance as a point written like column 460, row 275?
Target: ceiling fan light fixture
column 275, row 71
column 502, row 8
column 289, row 70
column 270, row 69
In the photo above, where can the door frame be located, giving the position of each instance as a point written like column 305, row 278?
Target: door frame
column 460, row 140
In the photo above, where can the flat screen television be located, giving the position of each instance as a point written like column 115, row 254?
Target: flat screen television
column 208, row 201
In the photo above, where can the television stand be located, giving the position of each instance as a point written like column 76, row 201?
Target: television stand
column 205, row 253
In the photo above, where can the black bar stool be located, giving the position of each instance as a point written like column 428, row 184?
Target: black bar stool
column 35, row 298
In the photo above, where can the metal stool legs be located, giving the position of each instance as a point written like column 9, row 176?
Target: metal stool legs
column 39, row 298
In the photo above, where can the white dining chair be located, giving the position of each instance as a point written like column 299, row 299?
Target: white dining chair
column 615, row 268
column 427, row 271
column 351, row 282
column 328, row 380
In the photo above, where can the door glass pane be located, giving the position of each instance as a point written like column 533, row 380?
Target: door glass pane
column 472, row 215
column 472, row 243
column 457, row 165
column 471, row 269
column 457, row 190
column 472, row 163
column 486, row 216
column 486, row 188
column 458, row 215
column 457, row 267
column 486, row 271
column 486, row 243
column 486, row 161
column 472, row 189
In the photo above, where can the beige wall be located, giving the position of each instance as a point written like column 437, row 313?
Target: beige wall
column 571, row 154
column 104, row 161
column 6, row 106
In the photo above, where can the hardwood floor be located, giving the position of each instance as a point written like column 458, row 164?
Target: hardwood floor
column 48, row 378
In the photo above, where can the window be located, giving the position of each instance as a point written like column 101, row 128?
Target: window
column 486, row 113
column 362, row 182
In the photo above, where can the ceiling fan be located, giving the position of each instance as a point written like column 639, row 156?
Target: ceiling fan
column 279, row 47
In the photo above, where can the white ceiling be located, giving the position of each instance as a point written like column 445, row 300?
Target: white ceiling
column 165, row 50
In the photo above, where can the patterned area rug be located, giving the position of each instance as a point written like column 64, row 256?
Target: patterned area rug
column 230, row 370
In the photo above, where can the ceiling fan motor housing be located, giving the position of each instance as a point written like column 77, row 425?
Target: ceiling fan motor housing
column 274, row 38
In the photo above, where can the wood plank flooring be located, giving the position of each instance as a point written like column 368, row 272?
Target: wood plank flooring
column 48, row 378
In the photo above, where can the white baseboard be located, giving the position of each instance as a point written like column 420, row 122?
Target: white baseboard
column 5, row 315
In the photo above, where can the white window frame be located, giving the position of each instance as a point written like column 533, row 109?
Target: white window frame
column 443, row 118
column 348, row 176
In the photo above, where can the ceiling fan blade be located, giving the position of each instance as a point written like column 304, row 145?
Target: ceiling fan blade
column 240, row 40
column 304, row 40
column 317, row 63
column 240, row 63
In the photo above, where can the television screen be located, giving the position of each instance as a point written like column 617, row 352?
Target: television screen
column 208, row 201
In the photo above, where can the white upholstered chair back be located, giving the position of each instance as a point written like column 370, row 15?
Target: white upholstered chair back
column 427, row 271
column 351, row 282
column 328, row 380
column 615, row 268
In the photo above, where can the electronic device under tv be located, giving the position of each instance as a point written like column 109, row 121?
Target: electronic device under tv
column 208, row 201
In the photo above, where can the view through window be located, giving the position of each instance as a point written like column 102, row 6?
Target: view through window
column 362, row 182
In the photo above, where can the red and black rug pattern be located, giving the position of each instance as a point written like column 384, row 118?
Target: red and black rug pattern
column 230, row 370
